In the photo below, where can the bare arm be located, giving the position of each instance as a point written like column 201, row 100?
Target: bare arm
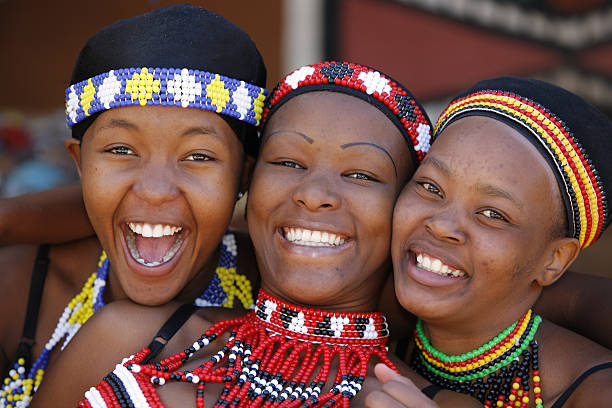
column 52, row 216
column 581, row 303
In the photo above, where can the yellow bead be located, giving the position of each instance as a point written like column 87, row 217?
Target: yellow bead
column 512, row 397
column 538, row 401
column 525, row 400
column 499, row 403
column 536, row 378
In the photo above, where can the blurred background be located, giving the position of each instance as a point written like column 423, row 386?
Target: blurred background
column 434, row 47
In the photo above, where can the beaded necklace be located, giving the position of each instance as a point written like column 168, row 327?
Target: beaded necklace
column 269, row 360
column 507, row 374
column 18, row 388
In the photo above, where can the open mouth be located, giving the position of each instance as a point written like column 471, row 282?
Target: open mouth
column 303, row 236
column 152, row 245
column 436, row 266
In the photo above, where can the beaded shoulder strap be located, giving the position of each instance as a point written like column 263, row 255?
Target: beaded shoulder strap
column 226, row 285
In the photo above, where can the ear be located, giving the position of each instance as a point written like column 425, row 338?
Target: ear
column 73, row 146
column 247, row 172
column 563, row 251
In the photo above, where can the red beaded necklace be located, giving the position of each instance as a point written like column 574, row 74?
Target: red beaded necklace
column 269, row 360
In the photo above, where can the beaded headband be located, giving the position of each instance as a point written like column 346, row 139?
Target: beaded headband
column 585, row 202
column 185, row 88
column 391, row 98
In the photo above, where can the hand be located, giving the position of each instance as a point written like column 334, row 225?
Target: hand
column 396, row 392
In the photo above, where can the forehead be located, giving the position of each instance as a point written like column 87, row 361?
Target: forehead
column 477, row 149
column 335, row 117
column 162, row 120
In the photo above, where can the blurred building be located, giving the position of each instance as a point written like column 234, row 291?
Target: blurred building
column 434, row 47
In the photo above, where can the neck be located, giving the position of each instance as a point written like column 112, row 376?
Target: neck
column 338, row 304
column 459, row 339
column 201, row 279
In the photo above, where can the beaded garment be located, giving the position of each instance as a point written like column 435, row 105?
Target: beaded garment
column 20, row 385
column 497, row 373
column 269, row 360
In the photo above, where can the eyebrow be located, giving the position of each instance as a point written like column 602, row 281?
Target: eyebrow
column 125, row 124
column 118, row 123
column 441, row 166
column 347, row 145
column 495, row 191
column 197, row 130
column 308, row 139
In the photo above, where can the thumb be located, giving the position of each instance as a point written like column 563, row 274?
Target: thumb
column 384, row 373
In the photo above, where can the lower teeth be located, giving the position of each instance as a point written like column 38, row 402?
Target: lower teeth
column 131, row 243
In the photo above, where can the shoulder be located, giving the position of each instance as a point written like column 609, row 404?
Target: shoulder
column 564, row 357
column 595, row 390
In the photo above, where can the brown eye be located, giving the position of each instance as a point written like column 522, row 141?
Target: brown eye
column 288, row 163
column 121, row 150
column 430, row 188
column 198, row 157
column 494, row 215
column 361, row 176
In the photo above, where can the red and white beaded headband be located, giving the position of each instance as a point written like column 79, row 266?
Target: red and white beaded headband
column 391, row 98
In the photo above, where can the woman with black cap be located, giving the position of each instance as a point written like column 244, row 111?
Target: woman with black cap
column 477, row 236
column 159, row 183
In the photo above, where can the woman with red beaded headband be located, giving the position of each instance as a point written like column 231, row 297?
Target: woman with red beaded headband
column 339, row 141
column 477, row 236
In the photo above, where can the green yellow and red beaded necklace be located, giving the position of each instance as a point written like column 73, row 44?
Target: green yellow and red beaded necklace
column 496, row 373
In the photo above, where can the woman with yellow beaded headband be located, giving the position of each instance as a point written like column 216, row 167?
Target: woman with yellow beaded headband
column 163, row 109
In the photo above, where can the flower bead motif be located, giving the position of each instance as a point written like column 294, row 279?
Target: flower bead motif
column 388, row 96
column 184, row 87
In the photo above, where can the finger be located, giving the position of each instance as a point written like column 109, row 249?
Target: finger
column 384, row 373
column 378, row 399
column 406, row 393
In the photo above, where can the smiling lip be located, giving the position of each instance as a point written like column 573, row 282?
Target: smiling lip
column 313, row 241
column 153, row 230
column 430, row 270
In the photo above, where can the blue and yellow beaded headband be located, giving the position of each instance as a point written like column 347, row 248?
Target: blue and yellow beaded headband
column 185, row 88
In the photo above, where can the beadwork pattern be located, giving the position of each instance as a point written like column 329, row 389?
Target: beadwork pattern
column 187, row 88
column 227, row 284
column 497, row 373
column 369, row 81
column 581, row 180
column 258, row 366
column 18, row 388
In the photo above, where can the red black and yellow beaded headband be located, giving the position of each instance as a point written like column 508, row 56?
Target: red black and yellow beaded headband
column 378, row 89
column 580, row 183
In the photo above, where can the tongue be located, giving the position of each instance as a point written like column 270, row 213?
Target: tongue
column 154, row 249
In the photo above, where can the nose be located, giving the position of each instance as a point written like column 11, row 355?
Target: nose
column 446, row 225
column 156, row 184
column 317, row 192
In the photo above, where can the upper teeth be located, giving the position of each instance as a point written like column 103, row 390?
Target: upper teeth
column 153, row 230
column 304, row 236
column 436, row 266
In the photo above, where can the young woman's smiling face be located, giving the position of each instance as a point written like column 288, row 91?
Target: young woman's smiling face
column 321, row 200
column 159, row 186
column 472, row 230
